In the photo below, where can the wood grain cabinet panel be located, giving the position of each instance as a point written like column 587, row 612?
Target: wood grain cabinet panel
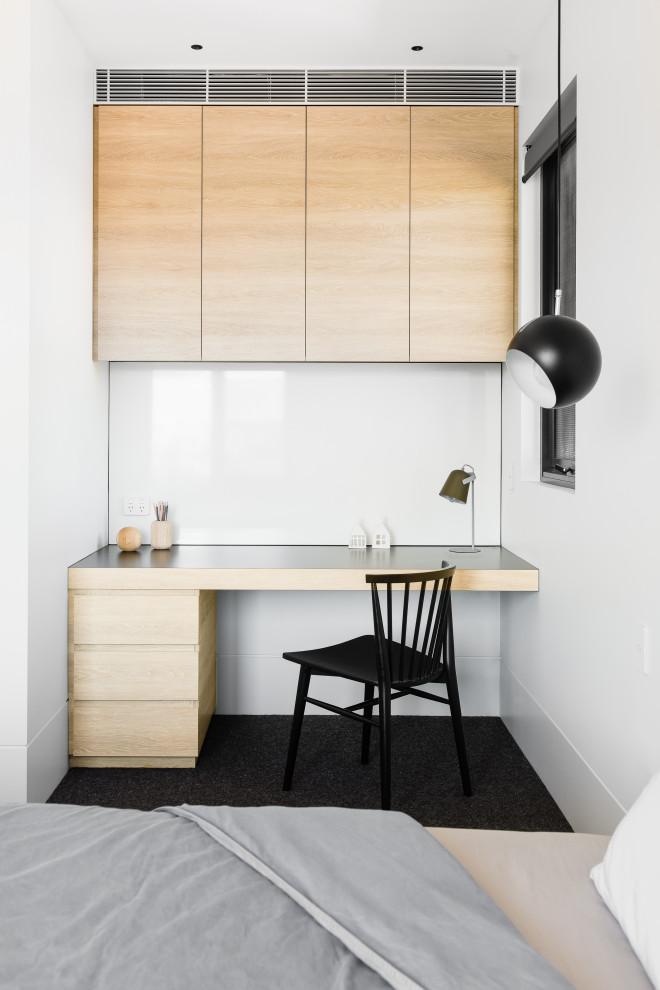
column 130, row 728
column 148, row 186
column 254, row 234
column 141, row 676
column 358, row 161
column 462, row 252
column 325, row 233
column 162, row 619
column 120, row 674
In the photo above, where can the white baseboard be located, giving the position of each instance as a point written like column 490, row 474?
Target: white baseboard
column 264, row 685
column 580, row 793
column 48, row 756
column 13, row 774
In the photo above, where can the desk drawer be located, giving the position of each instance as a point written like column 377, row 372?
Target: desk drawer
column 135, row 728
column 135, row 675
column 136, row 618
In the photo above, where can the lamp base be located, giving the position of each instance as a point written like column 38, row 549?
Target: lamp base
column 464, row 549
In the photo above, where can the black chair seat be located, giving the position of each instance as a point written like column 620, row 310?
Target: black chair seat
column 383, row 665
column 356, row 660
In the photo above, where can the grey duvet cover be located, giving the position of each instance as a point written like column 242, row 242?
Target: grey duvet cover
column 303, row 899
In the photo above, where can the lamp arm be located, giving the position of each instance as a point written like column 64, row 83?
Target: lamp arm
column 557, row 302
column 471, row 476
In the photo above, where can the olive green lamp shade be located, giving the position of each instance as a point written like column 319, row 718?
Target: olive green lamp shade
column 454, row 489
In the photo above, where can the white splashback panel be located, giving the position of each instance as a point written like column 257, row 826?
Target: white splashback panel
column 297, row 453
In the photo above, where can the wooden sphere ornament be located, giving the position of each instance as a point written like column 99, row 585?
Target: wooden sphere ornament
column 129, row 538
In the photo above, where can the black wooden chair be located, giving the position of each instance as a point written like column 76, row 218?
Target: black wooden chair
column 396, row 668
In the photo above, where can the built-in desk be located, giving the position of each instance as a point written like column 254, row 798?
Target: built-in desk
column 295, row 568
column 142, row 632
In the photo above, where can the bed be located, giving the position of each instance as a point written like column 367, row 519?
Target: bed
column 297, row 898
column 541, row 882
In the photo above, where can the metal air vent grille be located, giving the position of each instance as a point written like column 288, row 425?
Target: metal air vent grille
column 102, row 85
column 510, row 86
column 155, row 86
column 355, row 86
column 484, row 86
column 254, row 86
column 489, row 87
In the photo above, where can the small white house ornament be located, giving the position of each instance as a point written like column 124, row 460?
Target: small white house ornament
column 358, row 538
column 381, row 539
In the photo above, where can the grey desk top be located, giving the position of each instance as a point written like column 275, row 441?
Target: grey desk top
column 303, row 557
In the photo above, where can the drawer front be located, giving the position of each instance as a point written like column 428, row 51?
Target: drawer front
column 135, row 675
column 134, row 728
column 129, row 619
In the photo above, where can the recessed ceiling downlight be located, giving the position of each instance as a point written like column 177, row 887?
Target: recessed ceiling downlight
column 417, row 48
column 197, row 48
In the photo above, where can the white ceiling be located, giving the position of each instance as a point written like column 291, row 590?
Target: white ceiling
column 305, row 33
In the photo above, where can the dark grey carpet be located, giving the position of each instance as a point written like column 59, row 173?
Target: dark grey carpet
column 242, row 764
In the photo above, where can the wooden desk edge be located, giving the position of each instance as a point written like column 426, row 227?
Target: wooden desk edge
column 275, row 579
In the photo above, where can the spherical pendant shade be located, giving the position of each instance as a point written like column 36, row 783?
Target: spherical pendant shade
column 554, row 360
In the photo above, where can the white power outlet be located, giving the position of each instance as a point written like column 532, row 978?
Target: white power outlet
column 136, row 505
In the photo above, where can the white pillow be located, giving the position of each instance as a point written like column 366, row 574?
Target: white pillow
column 628, row 879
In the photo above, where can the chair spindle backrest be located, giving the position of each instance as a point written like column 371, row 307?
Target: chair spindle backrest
column 399, row 661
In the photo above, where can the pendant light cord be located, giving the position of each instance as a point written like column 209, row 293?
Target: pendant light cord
column 558, row 175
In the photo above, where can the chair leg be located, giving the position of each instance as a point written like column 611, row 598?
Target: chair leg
column 385, row 749
column 366, row 729
column 455, row 708
column 296, row 725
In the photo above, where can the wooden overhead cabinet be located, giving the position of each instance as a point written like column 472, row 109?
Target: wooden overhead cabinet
column 462, row 229
column 253, row 243
column 358, row 161
column 322, row 233
column 147, row 264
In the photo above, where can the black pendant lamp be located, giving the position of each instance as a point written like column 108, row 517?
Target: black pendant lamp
column 555, row 360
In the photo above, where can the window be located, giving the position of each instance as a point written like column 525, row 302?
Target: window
column 558, row 425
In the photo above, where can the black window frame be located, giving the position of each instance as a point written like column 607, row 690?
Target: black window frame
column 550, row 472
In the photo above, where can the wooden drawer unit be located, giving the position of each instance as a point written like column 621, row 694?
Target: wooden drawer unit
column 127, row 728
column 144, row 618
column 120, row 674
column 141, row 676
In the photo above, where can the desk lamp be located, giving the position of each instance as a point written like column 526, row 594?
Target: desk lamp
column 456, row 489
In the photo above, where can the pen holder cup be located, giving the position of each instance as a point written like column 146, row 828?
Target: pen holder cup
column 161, row 535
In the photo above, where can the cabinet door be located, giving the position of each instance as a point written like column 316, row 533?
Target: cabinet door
column 358, row 186
column 148, row 174
column 462, row 259
column 254, row 234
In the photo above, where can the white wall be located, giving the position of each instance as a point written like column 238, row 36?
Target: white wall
column 290, row 453
column 572, row 693
column 14, row 394
column 255, row 628
column 60, row 394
